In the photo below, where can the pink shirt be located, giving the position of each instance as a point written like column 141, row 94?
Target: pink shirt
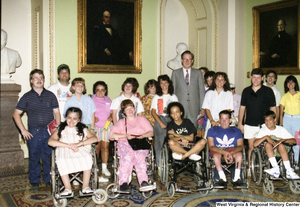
column 139, row 125
column 103, row 110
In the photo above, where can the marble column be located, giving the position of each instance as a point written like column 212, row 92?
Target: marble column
column 11, row 154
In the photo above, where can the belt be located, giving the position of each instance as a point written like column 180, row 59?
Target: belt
column 292, row 116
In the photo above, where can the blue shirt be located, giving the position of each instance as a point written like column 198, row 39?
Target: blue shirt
column 39, row 108
column 86, row 104
column 225, row 138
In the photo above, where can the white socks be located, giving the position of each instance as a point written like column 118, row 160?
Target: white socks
column 273, row 162
column 237, row 173
column 104, row 166
column 287, row 164
column 222, row 175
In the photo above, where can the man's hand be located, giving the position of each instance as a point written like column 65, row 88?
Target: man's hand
column 228, row 158
column 270, row 140
column 131, row 55
column 163, row 126
column 275, row 56
column 26, row 134
column 171, row 132
column 215, row 123
column 185, row 143
column 241, row 127
column 107, row 52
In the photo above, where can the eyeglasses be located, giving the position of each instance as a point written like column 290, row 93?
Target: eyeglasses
column 36, row 78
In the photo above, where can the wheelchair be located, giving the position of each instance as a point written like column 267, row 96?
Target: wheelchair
column 170, row 168
column 99, row 196
column 211, row 176
column 113, row 189
column 260, row 161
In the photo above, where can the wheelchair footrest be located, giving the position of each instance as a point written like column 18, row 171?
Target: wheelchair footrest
column 200, row 188
column 123, row 192
column 66, row 196
column 81, row 194
column 183, row 190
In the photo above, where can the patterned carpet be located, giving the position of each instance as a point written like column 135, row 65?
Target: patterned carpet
column 15, row 192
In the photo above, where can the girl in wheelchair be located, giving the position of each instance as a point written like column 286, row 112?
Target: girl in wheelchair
column 275, row 136
column 130, row 127
column 181, row 134
column 73, row 154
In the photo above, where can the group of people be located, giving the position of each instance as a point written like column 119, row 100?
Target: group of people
column 175, row 110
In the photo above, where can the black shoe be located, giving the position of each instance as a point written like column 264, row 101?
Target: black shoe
column 144, row 184
column 124, row 187
column 220, row 184
column 239, row 184
column 35, row 187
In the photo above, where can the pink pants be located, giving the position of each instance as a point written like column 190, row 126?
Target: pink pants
column 130, row 158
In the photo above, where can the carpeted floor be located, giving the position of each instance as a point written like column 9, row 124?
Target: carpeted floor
column 15, row 191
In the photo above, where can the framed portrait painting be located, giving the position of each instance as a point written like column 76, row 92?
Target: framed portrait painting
column 276, row 37
column 109, row 36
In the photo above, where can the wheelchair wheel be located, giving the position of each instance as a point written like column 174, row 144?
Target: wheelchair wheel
column 111, row 190
column 268, row 187
column 94, row 170
column 115, row 164
column 166, row 164
column 171, row 189
column 147, row 194
column 153, row 166
column 162, row 167
column 60, row 203
column 245, row 190
column 295, row 186
column 256, row 166
column 100, row 196
column 207, row 184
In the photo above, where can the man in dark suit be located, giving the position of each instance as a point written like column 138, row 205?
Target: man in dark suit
column 189, row 87
column 280, row 47
column 107, row 46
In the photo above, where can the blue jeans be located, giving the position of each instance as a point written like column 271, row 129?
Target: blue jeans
column 292, row 124
column 37, row 146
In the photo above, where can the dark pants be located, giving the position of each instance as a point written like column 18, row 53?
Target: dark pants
column 37, row 146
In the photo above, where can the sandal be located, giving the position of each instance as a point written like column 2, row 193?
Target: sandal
column 66, row 192
column 87, row 190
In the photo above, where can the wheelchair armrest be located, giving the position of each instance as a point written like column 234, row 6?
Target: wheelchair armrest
column 289, row 144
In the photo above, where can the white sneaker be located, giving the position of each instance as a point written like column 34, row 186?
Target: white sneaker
column 290, row 174
column 195, row 157
column 102, row 180
column 106, row 172
column 176, row 156
column 75, row 182
column 274, row 172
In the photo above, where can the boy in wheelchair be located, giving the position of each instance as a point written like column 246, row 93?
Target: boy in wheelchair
column 181, row 134
column 227, row 142
column 274, row 137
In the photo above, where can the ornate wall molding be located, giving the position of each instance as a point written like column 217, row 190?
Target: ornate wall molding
column 36, row 52
column 51, row 42
column 206, row 12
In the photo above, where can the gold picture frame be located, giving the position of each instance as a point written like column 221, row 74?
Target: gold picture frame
column 127, row 14
column 266, row 37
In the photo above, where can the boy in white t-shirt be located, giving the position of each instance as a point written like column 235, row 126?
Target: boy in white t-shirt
column 275, row 136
